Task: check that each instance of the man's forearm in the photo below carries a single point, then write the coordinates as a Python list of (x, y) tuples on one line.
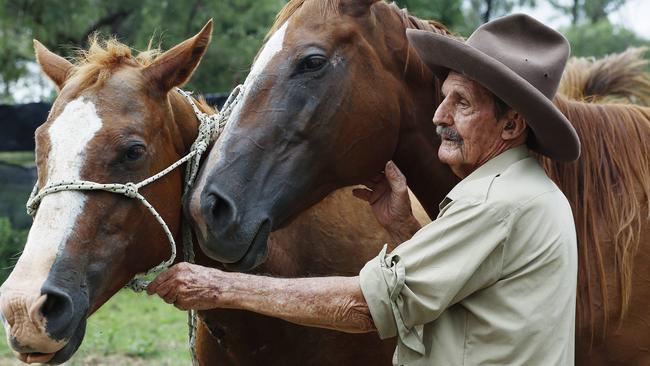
[(326, 302)]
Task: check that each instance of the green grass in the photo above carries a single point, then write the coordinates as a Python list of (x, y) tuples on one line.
[(129, 330), (24, 158)]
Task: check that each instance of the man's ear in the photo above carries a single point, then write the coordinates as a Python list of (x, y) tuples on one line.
[(514, 125), (54, 66), (175, 67), (356, 8)]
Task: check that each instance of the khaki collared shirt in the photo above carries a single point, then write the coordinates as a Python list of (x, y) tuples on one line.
[(492, 281)]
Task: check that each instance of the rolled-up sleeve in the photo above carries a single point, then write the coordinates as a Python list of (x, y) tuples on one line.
[(446, 261)]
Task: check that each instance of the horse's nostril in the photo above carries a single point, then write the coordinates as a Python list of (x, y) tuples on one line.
[(57, 310), (221, 210), (53, 306)]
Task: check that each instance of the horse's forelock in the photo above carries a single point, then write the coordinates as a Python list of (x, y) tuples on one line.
[(103, 56)]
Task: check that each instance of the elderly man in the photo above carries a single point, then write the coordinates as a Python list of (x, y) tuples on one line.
[(492, 280)]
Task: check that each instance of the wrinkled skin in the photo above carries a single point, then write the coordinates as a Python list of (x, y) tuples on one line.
[(471, 131)]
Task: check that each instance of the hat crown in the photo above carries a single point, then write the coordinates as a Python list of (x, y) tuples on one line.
[(534, 51)]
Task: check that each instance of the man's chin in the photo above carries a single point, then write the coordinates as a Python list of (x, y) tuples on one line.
[(449, 152)]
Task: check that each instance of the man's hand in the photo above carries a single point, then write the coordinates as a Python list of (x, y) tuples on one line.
[(189, 286), (389, 197)]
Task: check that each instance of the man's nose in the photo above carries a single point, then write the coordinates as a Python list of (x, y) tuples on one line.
[(442, 116)]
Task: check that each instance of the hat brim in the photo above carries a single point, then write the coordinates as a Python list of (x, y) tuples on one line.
[(553, 135)]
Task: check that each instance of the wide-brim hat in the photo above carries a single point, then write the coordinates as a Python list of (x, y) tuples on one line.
[(521, 61)]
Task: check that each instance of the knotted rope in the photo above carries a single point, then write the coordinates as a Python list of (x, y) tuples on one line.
[(210, 127)]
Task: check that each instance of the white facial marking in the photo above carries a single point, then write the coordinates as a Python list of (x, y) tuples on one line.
[(57, 214), (272, 47)]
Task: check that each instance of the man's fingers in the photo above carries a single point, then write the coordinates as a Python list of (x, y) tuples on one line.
[(362, 193), (170, 297), (165, 289), (396, 179), (160, 279)]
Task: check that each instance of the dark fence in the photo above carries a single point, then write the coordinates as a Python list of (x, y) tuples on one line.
[(17, 125), (16, 183)]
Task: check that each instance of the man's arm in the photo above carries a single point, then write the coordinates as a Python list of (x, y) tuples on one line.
[(326, 302)]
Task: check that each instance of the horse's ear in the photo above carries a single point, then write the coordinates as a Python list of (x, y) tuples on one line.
[(356, 7), (175, 67), (54, 66)]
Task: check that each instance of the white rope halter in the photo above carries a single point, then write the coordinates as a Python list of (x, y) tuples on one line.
[(210, 127)]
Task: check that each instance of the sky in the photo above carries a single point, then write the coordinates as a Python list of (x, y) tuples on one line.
[(635, 14)]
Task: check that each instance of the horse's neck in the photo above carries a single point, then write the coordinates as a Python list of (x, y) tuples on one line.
[(417, 149)]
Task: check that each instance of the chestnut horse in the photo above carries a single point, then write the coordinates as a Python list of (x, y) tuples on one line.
[(337, 90), (117, 120)]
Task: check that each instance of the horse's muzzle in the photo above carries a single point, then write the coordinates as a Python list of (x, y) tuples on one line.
[(234, 239)]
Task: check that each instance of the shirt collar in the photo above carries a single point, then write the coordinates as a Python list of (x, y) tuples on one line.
[(492, 167)]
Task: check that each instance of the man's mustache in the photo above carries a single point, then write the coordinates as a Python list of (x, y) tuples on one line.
[(448, 133)]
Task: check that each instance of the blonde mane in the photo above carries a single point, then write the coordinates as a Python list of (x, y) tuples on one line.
[(621, 77), (609, 191)]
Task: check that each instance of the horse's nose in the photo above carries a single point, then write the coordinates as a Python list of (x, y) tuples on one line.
[(26, 325), (57, 309), (224, 241)]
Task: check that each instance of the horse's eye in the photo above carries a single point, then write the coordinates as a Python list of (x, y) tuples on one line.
[(312, 63), (135, 152)]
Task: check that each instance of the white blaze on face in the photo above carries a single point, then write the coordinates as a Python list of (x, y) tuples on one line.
[(272, 47), (69, 135)]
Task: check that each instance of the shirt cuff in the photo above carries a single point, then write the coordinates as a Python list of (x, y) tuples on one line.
[(382, 280)]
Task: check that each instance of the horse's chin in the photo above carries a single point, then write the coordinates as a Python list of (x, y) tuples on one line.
[(256, 253), (60, 356)]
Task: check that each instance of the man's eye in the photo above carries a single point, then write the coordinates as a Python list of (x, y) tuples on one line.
[(312, 63), (135, 152)]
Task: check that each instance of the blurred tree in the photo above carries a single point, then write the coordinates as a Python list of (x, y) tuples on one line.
[(489, 9), (482, 11), (63, 25), (601, 38), (448, 12), (592, 11)]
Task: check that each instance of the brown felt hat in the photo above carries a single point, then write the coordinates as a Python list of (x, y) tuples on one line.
[(521, 61)]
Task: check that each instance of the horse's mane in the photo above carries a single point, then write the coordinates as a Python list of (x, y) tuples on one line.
[(331, 7), (619, 77), (609, 191), (104, 56)]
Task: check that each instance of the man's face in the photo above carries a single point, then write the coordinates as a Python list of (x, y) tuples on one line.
[(466, 122)]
